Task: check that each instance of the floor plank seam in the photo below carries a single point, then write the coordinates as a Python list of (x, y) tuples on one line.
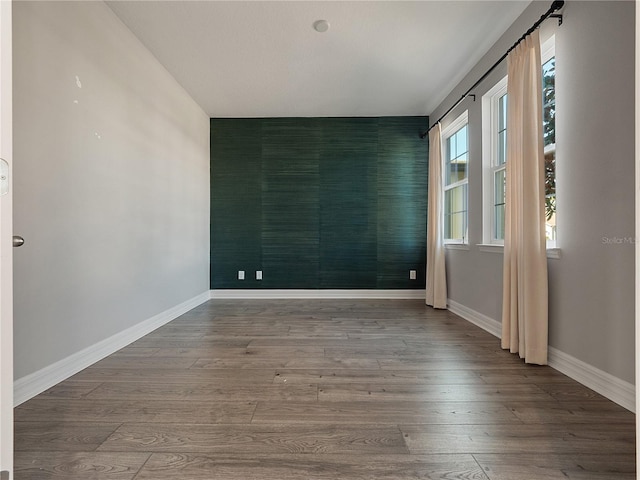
[(99, 446), (142, 467), (254, 412), (403, 437), (480, 467), (190, 367), (92, 390)]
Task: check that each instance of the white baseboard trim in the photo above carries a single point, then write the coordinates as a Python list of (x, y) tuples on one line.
[(317, 294), (615, 389), (619, 391), (486, 323), (37, 382)]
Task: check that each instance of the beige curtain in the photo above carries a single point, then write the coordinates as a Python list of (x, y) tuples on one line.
[(436, 274), (525, 290)]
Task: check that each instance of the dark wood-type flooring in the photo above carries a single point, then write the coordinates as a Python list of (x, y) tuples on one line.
[(322, 389)]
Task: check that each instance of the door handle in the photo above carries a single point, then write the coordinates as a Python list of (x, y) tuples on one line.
[(18, 241)]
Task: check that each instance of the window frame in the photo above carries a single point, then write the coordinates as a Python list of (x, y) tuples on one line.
[(490, 152), (456, 125)]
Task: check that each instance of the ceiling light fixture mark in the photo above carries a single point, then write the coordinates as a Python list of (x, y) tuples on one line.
[(321, 26)]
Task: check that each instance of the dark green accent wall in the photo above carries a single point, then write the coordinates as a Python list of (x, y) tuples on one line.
[(318, 202)]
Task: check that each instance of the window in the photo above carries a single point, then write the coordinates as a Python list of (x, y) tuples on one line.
[(494, 121), (456, 179)]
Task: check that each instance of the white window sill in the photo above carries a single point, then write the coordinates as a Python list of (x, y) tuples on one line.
[(491, 248), (553, 253), (456, 246), (499, 249)]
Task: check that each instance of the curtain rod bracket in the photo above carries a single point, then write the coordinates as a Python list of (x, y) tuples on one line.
[(559, 17), (472, 95)]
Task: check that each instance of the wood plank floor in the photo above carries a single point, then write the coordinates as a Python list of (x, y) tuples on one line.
[(322, 389)]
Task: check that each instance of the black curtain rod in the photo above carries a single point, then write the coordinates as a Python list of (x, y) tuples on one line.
[(555, 6)]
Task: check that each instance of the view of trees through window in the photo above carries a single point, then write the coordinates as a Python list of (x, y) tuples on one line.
[(549, 135)]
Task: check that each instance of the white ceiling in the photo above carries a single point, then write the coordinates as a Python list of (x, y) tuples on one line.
[(263, 58)]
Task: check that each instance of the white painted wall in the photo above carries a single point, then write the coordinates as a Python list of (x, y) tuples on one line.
[(591, 309), (111, 183)]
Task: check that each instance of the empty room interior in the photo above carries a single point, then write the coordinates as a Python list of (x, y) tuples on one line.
[(279, 240)]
